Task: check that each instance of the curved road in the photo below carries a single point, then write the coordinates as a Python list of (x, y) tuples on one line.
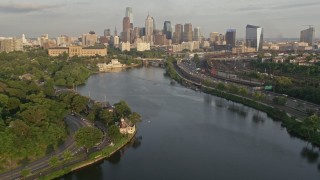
[(74, 123)]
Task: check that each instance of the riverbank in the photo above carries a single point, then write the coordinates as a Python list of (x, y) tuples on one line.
[(294, 127), (92, 158)]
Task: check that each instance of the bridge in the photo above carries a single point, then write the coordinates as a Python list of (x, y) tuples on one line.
[(153, 61)]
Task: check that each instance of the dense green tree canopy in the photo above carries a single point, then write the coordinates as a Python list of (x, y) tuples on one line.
[(88, 137)]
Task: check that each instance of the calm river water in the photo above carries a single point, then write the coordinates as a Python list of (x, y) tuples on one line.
[(191, 135)]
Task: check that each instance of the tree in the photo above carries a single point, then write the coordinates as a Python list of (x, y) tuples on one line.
[(221, 86), (79, 103), (25, 172), (54, 161), (67, 156), (122, 109), (88, 137), (106, 116), (135, 118), (114, 132), (280, 100)]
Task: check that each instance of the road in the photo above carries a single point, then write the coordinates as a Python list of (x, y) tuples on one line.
[(294, 107), (74, 123)]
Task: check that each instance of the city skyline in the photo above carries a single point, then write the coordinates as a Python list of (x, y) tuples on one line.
[(282, 19)]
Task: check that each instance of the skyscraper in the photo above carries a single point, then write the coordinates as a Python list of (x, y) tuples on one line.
[(187, 33), (196, 34), (129, 14), (167, 29), (231, 37), (254, 37), (307, 36), (107, 32), (126, 29), (178, 34), (149, 24)]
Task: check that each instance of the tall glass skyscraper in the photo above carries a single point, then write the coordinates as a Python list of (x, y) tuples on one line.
[(129, 14), (254, 37), (196, 34), (307, 36), (231, 37), (167, 29)]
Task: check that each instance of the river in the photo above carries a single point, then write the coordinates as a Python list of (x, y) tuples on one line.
[(191, 135)]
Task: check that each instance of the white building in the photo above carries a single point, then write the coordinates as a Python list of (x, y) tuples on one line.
[(143, 46), (125, 46), (103, 67)]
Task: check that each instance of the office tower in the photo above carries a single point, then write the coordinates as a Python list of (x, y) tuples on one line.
[(89, 39), (178, 34), (126, 24), (197, 34), (142, 31), (115, 31), (24, 40), (307, 35), (107, 32), (167, 29), (126, 29), (213, 37), (129, 14), (149, 24), (254, 37), (187, 33), (231, 37)]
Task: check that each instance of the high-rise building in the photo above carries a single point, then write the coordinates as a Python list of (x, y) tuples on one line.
[(24, 40), (89, 39), (126, 24), (196, 34), (167, 29), (129, 14), (308, 35), (231, 37), (126, 29), (178, 34), (187, 33), (213, 37), (107, 32), (149, 24), (10, 44), (115, 31), (254, 37)]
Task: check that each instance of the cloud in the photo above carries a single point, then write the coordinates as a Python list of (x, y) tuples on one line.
[(297, 5), (25, 8), (276, 7)]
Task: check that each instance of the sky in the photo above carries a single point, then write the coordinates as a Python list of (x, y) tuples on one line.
[(279, 18)]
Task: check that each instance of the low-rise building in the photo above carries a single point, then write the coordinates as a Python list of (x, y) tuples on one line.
[(143, 46), (77, 51), (126, 127), (103, 67)]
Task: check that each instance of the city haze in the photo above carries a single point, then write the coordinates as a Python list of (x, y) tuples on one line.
[(280, 19)]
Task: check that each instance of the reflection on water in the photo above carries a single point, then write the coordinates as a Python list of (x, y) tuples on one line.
[(220, 102), (238, 109), (135, 143), (257, 118), (207, 99), (310, 153), (184, 139)]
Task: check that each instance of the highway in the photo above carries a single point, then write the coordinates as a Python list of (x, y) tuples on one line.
[(294, 107)]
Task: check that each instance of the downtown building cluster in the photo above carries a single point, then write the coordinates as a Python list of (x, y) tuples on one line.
[(172, 38)]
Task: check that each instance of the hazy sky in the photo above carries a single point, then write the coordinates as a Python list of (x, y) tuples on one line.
[(279, 18)]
